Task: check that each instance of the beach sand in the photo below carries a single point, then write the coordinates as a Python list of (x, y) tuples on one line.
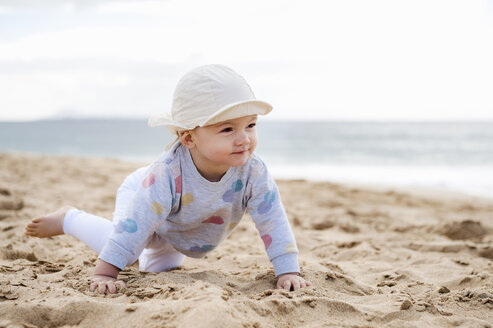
[(377, 257)]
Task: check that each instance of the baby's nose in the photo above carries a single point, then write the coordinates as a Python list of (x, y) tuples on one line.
[(242, 139)]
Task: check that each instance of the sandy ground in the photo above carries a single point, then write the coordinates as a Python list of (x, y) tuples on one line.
[(376, 258)]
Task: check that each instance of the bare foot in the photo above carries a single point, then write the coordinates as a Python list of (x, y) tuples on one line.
[(47, 225)]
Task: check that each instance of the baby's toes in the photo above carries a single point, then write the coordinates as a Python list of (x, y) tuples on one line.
[(30, 231), (34, 224)]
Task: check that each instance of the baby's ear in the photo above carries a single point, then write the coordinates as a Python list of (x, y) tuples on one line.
[(186, 138)]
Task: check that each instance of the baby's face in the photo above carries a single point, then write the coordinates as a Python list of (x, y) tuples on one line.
[(228, 143)]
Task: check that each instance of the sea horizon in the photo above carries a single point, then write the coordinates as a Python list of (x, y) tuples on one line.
[(449, 155)]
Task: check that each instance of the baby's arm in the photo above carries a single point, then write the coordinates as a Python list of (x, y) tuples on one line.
[(148, 209), (267, 211), (104, 276)]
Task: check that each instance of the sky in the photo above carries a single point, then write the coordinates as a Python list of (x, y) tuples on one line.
[(312, 60)]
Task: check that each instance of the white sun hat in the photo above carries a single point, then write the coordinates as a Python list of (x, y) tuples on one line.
[(207, 95)]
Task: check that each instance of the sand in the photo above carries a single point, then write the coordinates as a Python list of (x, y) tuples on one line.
[(377, 257)]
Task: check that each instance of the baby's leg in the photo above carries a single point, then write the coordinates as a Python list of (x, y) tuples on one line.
[(90, 229), (160, 256)]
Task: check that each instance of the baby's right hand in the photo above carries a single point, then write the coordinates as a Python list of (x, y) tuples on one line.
[(102, 282)]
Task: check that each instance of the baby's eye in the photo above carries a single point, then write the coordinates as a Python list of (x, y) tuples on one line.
[(252, 125), (226, 130)]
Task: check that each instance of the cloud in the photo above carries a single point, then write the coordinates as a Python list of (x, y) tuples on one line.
[(316, 59), (105, 86), (94, 87)]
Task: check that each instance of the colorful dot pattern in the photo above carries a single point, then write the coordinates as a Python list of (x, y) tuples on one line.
[(290, 248), (178, 184), (157, 208), (265, 224), (267, 239), (214, 220), (186, 199), (202, 248), (149, 180), (127, 225), (266, 205), (235, 187)]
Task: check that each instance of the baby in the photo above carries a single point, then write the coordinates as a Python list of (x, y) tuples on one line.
[(194, 195)]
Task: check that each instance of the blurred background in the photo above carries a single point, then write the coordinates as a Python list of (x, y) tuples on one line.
[(395, 93)]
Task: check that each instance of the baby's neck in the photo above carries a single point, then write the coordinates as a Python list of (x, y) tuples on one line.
[(212, 173), (211, 177)]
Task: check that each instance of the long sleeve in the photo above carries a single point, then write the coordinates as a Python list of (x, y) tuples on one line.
[(267, 211), (148, 210)]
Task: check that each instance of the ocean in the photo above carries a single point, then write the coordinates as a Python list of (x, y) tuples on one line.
[(454, 156)]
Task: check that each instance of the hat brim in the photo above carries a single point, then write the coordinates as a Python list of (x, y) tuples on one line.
[(239, 109), (229, 112)]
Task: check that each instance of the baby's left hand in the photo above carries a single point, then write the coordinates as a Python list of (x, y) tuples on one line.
[(291, 280)]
